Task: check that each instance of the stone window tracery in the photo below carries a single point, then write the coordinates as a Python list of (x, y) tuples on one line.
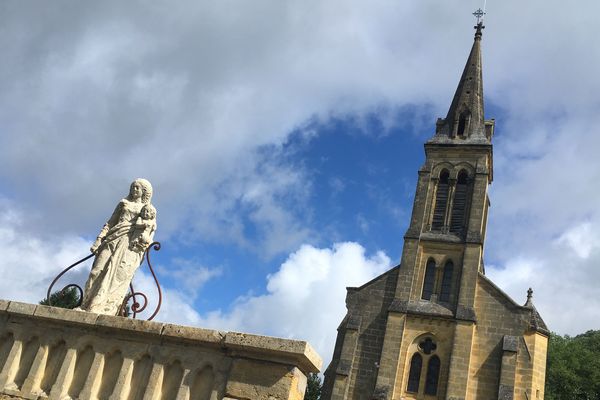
[(451, 203), (424, 371)]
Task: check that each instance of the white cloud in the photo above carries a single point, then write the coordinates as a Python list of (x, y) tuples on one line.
[(564, 275), (186, 93), (580, 239), (305, 298), (29, 263)]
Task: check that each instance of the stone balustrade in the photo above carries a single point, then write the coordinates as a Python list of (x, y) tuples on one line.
[(59, 354)]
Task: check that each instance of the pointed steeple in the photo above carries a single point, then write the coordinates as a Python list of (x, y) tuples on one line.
[(465, 118)]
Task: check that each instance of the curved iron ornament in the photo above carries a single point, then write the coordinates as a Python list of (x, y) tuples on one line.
[(136, 306), (71, 285)]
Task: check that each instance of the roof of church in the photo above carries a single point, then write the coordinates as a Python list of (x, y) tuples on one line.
[(536, 322), (467, 103)]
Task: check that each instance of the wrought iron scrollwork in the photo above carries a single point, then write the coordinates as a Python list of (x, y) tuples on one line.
[(136, 307), (71, 285)]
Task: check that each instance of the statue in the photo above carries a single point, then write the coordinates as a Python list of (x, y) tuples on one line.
[(119, 249)]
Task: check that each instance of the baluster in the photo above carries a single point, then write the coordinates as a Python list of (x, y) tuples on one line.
[(11, 366), (153, 390), (94, 378), (65, 376), (186, 382), (123, 384), (36, 373)]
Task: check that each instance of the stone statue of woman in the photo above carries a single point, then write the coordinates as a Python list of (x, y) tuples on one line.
[(119, 249)]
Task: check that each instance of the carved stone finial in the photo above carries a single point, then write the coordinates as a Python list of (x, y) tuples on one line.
[(529, 297)]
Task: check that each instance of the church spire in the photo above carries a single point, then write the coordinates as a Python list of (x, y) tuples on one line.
[(465, 118)]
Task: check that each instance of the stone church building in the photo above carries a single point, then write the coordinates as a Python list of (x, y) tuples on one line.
[(435, 327)]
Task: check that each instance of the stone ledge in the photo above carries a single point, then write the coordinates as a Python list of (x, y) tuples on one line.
[(62, 314), (129, 324), (14, 307), (302, 352), (190, 334), (259, 347)]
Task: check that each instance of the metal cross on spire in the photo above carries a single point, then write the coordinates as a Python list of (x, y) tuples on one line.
[(479, 15), (479, 27)]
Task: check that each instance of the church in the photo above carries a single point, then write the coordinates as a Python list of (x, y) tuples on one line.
[(435, 327)]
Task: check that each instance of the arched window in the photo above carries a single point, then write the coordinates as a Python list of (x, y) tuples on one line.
[(433, 374), (459, 206), (414, 375), (429, 281), (447, 282), (462, 124), (441, 200)]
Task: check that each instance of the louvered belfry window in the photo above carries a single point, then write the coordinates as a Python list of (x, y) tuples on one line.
[(429, 281), (447, 282), (414, 375), (459, 205), (462, 124), (441, 200)]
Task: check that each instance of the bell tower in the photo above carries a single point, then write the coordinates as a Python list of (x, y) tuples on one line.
[(435, 327), (443, 247)]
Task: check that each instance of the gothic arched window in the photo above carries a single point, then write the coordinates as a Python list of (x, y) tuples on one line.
[(433, 374), (429, 281), (441, 200), (459, 205), (447, 282), (414, 375)]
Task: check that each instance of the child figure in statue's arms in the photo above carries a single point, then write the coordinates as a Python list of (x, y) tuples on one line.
[(144, 228)]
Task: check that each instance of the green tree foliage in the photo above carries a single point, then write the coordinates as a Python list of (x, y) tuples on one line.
[(573, 369), (313, 387), (63, 299)]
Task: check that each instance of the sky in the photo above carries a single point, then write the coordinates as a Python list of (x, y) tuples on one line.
[(283, 140)]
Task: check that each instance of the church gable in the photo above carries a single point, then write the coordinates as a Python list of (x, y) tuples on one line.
[(360, 336)]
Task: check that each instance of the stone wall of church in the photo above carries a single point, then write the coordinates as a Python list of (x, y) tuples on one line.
[(360, 340), (416, 328), (504, 350), (48, 352)]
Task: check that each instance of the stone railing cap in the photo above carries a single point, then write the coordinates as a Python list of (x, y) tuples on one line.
[(267, 348), (300, 351)]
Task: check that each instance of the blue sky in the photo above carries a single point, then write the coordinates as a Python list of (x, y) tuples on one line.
[(283, 141)]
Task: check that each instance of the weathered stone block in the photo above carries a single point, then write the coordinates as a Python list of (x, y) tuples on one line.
[(196, 335), (129, 324), (510, 343), (62, 314), (17, 308)]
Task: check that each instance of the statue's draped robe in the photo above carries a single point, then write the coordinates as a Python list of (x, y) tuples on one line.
[(115, 262)]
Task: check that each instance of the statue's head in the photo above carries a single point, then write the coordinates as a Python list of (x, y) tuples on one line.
[(148, 212), (146, 189)]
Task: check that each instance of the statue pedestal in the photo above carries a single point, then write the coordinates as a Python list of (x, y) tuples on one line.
[(48, 352)]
